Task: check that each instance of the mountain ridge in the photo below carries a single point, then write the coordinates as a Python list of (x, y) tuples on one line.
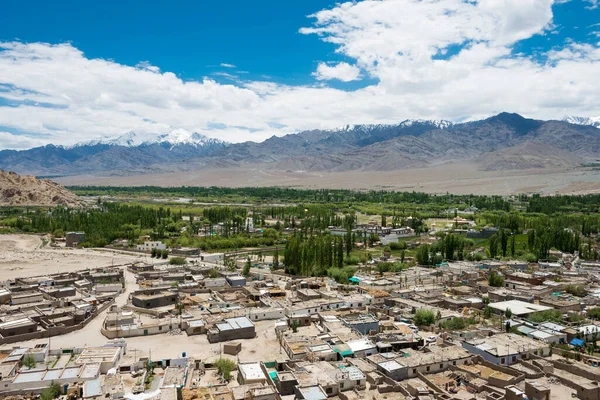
[(376, 147)]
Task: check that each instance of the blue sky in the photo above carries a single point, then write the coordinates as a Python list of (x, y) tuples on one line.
[(239, 70), (260, 38)]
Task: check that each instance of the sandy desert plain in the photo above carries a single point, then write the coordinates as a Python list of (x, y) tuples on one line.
[(452, 178)]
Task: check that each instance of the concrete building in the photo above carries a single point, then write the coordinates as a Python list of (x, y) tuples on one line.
[(148, 246), (517, 307), (362, 347), (74, 239), (154, 298), (106, 357), (231, 329), (362, 323), (236, 280), (507, 348), (17, 327), (249, 373)]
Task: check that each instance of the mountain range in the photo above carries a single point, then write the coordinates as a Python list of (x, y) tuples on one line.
[(503, 142)]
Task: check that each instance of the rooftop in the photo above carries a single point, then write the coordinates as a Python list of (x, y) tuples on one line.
[(518, 307)]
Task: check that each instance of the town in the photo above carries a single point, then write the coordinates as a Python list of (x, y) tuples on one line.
[(410, 312)]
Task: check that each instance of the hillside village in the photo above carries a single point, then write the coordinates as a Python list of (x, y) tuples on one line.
[(455, 298), (461, 330)]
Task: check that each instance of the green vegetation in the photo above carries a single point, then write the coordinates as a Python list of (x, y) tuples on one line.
[(576, 290), (247, 266), (457, 323), (546, 316), (177, 261), (224, 367), (529, 227), (51, 392), (341, 275), (383, 267), (594, 313), (29, 361), (495, 279), (424, 317)]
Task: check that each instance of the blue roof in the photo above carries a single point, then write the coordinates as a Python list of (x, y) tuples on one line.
[(577, 342)]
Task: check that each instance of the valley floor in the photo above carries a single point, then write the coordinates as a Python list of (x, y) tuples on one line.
[(453, 178)]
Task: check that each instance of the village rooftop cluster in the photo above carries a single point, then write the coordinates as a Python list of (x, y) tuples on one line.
[(283, 337)]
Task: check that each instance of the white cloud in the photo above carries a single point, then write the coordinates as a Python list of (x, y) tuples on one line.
[(19, 142), (226, 65), (399, 43), (593, 4), (342, 71)]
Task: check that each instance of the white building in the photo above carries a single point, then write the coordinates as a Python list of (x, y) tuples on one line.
[(148, 246)]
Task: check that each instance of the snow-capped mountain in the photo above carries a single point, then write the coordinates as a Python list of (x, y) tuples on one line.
[(128, 139), (591, 121), (438, 124), (176, 137), (180, 137), (503, 141)]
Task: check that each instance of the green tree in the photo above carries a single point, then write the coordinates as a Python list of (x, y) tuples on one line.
[(276, 259), (495, 279), (423, 255), (512, 245), (177, 261), (29, 361), (424, 317), (493, 246), (508, 313), (576, 290), (594, 313), (247, 267), (487, 312), (224, 367), (51, 392)]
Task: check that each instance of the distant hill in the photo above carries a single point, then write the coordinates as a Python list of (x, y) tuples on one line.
[(504, 141), (17, 190)]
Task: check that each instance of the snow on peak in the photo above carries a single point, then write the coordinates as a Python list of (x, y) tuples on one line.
[(439, 124), (128, 139), (182, 137), (174, 138), (592, 121)]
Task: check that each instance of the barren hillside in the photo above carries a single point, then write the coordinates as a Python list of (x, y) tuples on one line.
[(17, 190)]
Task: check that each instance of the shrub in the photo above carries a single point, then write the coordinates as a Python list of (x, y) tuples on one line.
[(424, 317), (177, 261), (576, 290), (51, 392), (352, 260), (224, 367), (544, 316), (341, 275), (398, 246), (594, 313), (495, 280)]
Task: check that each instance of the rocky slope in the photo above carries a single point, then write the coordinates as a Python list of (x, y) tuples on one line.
[(17, 190)]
